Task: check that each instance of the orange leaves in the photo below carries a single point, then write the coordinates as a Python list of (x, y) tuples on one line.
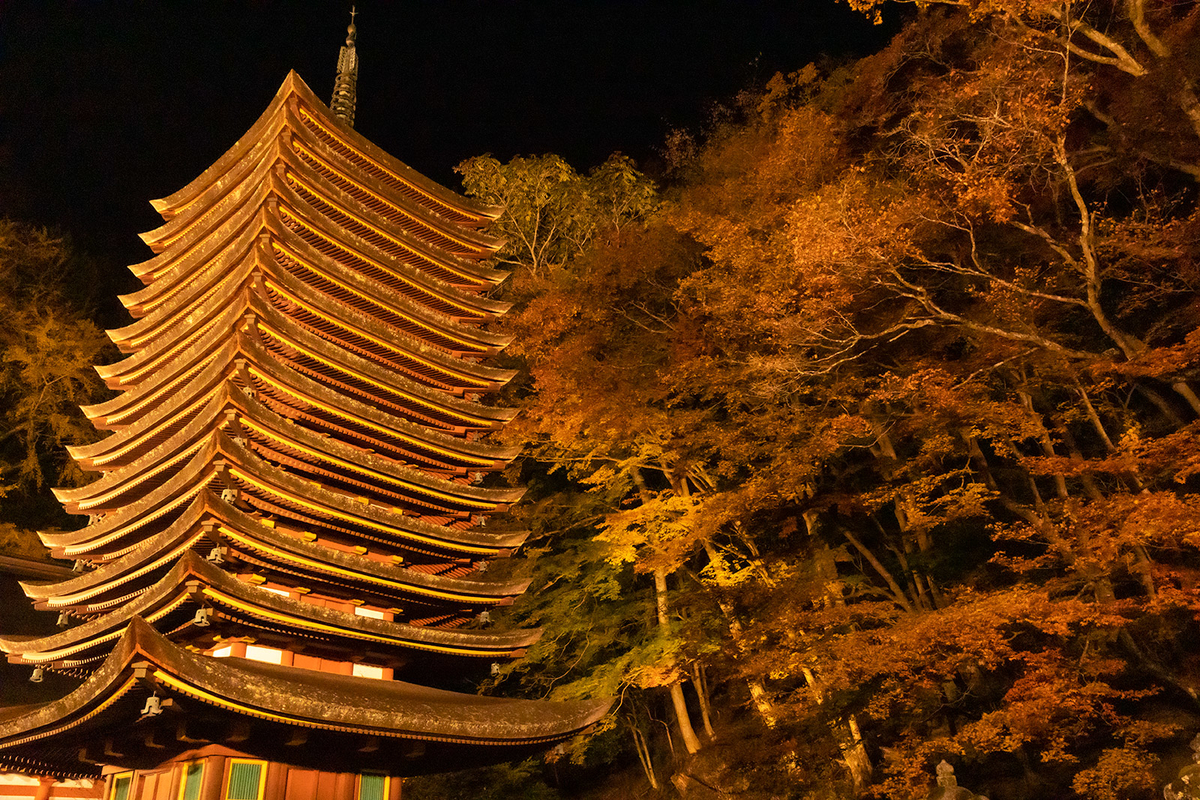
[(1160, 362), (896, 376), (551, 213), (1160, 519), (979, 193), (961, 655), (782, 88), (658, 533), (1118, 773), (47, 348)]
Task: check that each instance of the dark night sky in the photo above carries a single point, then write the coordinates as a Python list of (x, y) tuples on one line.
[(106, 105)]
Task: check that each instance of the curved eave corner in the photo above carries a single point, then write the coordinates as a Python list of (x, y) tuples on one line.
[(399, 720), (293, 84)]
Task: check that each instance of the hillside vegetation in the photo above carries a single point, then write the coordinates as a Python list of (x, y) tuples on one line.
[(864, 435), (867, 436)]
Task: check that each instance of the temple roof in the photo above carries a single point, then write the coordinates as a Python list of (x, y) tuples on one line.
[(173, 266), (295, 396), (283, 714), (209, 522), (339, 295), (416, 535), (296, 438), (294, 449), (289, 140), (240, 608), (194, 465), (344, 139), (238, 268), (285, 165)]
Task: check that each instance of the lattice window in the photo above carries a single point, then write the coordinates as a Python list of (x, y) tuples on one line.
[(246, 779), (189, 784), (372, 787), (119, 786)]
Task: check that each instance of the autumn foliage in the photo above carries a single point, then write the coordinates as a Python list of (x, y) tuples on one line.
[(48, 348), (866, 435), (875, 425)]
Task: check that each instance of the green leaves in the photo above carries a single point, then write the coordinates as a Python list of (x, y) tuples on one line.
[(552, 213)]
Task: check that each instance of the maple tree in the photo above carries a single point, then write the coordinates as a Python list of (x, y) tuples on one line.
[(581, 246), (866, 437), (1140, 51), (890, 394)]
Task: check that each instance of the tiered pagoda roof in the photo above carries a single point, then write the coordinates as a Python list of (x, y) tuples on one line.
[(294, 716), (294, 466)]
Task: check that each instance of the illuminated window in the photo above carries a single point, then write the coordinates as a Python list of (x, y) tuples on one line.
[(270, 655), (189, 785), (367, 671), (119, 788), (372, 787), (369, 612), (246, 779)]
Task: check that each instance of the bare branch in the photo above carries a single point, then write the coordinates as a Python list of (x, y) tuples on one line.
[(1136, 9)]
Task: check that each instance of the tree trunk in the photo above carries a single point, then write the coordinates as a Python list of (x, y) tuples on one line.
[(889, 464), (1163, 406), (897, 593), (1084, 562), (1185, 391), (701, 686), (686, 732), (1043, 438), (826, 564), (848, 737), (758, 692), (643, 753)]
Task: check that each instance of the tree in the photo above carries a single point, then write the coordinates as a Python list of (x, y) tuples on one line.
[(920, 368), (552, 213), (1138, 48), (893, 391), (47, 351)]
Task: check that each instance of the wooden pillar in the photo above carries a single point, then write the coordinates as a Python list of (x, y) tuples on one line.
[(167, 787), (45, 785), (327, 787), (302, 784), (276, 784), (344, 786), (214, 776)]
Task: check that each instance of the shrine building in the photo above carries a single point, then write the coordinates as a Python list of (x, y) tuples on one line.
[(285, 555)]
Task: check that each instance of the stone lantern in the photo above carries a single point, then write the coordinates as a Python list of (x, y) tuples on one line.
[(947, 786), (1187, 786)]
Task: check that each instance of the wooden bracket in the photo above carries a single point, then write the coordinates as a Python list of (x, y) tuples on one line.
[(182, 736), (238, 732)]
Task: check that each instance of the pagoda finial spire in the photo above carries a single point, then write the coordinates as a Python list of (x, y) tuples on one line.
[(344, 88)]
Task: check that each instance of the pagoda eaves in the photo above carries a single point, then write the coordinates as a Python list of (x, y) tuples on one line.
[(292, 474)]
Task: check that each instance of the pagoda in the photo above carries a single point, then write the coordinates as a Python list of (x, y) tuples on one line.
[(286, 550)]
